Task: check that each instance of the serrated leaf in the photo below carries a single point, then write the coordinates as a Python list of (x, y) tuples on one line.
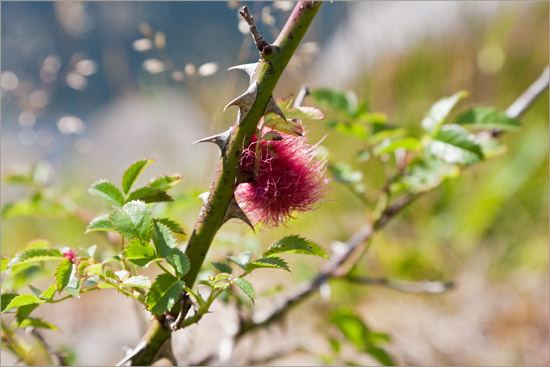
[(49, 292), (179, 262), (222, 267), (423, 174), (164, 182), (388, 146), (91, 281), (174, 226), (488, 118), (100, 223), (164, 293), (6, 298), (37, 323), (94, 269), (454, 144), (134, 220), (35, 290), (439, 111), (163, 240), (122, 274), (285, 103), (139, 252), (24, 311), (246, 287), (352, 327), (380, 355), (267, 262), (304, 113), (73, 288), (295, 244), (63, 274), (132, 173), (35, 255), (290, 127), (22, 300), (342, 102), (108, 192), (137, 281), (149, 195), (110, 274), (242, 259)]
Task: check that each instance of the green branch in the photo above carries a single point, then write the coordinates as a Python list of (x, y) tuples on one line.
[(274, 59)]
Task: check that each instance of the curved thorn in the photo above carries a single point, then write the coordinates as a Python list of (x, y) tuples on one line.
[(204, 196), (272, 107), (244, 101), (235, 211), (220, 139), (250, 69)]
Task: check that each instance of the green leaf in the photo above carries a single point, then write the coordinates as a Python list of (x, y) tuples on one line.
[(304, 113), (164, 182), (101, 223), (149, 195), (163, 239), (133, 172), (222, 267), (49, 293), (351, 326), (423, 174), (339, 101), (90, 251), (487, 119), (24, 311), (290, 127), (91, 281), (242, 259), (344, 173), (388, 146), (139, 281), (174, 227), (63, 274), (295, 244), (246, 287), (134, 220), (380, 355), (139, 252), (37, 323), (267, 262), (6, 298), (164, 293), (73, 287), (35, 255), (439, 112), (179, 262), (108, 192), (95, 269), (21, 300), (454, 144)]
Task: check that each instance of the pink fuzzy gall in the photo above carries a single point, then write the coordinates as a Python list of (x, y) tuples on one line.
[(289, 179), (70, 255)]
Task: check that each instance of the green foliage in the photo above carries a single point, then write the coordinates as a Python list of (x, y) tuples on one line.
[(100, 223), (139, 252), (292, 124), (354, 329), (242, 259), (486, 118), (63, 274), (164, 293), (439, 112), (133, 221), (108, 192), (132, 173), (37, 323), (139, 281), (454, 144), (163, 239), (295, 244), (35, 255), (174, 227), (246, 287), (267, 262), (222, 267), (179, 262), (19, 301)]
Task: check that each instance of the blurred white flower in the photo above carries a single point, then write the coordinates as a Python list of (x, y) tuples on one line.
[(86, 67), (154, 66), (70, 125), (76, 81), (208, 69), (142, 44), (9, 80)]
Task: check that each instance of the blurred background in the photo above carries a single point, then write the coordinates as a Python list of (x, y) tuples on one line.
[(90, 87)]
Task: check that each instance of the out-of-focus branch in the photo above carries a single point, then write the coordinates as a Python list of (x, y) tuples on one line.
[(404, 286), (51, 350), (523, 102)]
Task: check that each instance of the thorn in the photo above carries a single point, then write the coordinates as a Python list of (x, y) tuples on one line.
[(244, 101), (220, 140), (204, 196), (273, 108), (250, 69), (235, 211)]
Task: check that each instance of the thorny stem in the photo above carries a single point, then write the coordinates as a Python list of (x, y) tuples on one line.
[(51, 350), (222, 190)]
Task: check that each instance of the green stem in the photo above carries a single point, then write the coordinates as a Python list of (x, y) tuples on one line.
[(223, 187)]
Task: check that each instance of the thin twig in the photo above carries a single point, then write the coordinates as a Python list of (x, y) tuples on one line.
[(403, 286), (261, 44), (302, 94), (51, 350), (523, 102)]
